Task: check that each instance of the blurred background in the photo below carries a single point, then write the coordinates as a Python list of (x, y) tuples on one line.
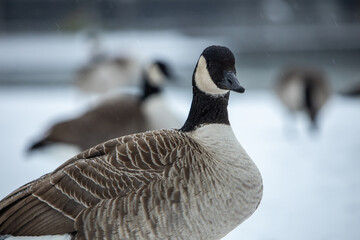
[(311, 174), (46, 41)]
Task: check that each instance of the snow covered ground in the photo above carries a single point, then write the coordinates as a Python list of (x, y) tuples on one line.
[(311, 181)]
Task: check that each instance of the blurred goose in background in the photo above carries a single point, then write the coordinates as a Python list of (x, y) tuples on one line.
[(303, 90), (196, 182), (107, 74), (353, 91), (118, 116), (103, 72)]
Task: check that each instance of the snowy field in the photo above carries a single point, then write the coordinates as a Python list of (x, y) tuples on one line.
[(311, 180)]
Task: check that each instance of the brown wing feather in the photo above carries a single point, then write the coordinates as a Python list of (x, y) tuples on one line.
[(50, 204)]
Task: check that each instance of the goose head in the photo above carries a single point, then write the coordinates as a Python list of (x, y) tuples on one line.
[(154, 77), (213, 78), (215, 72), (157, 73)]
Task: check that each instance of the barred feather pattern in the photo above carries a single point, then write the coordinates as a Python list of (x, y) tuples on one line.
[(158, 184)]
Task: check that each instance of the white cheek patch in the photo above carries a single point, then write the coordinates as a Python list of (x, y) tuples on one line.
[(293, 95), (156, 76), (203, 80)]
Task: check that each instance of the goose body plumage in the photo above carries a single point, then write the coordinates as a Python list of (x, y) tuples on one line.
[(196, 182)]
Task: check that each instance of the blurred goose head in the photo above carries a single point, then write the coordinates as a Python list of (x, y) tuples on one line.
[(155, 75), (304, 90)]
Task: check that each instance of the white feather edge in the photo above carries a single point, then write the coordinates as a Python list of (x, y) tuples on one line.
[(46, 237)]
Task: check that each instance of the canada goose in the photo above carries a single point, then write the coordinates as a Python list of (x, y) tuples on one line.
[(102, 75), (303, 89), (196, 182), (104, 72), (117, 116)]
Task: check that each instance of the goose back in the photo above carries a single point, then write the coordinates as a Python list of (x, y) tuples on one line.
[(111, 118)]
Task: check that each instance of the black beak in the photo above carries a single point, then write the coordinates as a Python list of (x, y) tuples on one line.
[(230, 82)]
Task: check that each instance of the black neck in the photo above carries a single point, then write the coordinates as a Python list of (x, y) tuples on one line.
[(206, 109), (309, 101), (148, 89)]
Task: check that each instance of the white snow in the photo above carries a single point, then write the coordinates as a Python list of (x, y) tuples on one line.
[(311, 181)]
